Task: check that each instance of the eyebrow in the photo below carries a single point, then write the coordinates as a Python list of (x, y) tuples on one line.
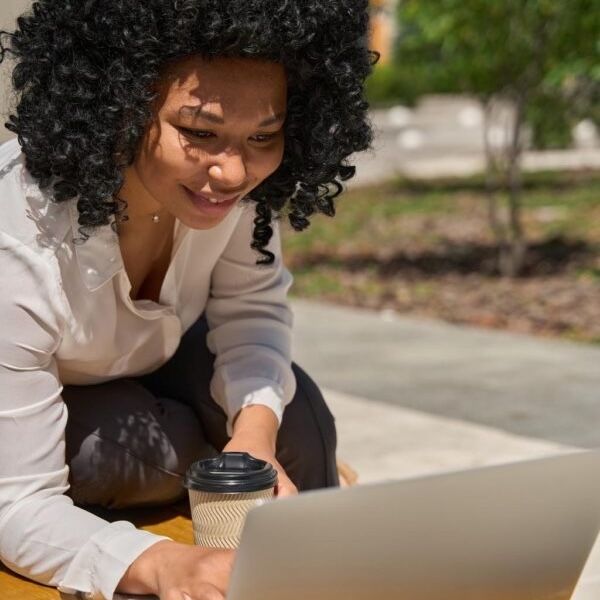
[(198, 111)]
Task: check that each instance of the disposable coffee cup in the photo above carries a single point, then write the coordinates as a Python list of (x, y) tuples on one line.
[(222, 490)]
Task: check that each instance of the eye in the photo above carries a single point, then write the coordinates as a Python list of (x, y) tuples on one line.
[(263, 138), (196, 134)]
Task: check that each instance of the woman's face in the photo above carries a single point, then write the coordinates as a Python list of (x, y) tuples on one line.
[(217, 133)]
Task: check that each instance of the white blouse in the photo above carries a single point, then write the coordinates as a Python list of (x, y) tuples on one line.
[(66, 317)]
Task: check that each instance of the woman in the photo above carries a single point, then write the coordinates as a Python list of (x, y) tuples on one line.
[(144, 296)]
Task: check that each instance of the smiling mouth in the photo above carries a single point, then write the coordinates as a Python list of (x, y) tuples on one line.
[(218, 202), (213, 199)]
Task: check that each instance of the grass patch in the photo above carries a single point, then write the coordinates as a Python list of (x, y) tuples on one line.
[(427, 248), (370, 217), (312, 282)]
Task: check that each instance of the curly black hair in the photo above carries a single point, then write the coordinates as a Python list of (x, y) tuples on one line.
[(86, 73)]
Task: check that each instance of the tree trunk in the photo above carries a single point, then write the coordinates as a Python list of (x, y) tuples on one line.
[(492, 182), (515, 258), (495, 180), (503, 174)]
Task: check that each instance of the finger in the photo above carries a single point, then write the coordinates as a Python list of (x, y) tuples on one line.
[(286, 488), (205, 591), (284, 492)]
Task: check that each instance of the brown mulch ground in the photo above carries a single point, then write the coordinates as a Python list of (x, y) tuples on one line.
[(444, 266)]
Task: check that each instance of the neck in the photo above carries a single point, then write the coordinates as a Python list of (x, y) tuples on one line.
[(156, 224), (141, 208)]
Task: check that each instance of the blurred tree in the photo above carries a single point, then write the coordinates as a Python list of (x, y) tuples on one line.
[(534, 61)]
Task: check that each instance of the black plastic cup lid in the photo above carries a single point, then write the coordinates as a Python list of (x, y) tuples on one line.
[(230, 473)]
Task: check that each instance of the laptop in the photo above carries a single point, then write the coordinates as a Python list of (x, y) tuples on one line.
[(520, 531)]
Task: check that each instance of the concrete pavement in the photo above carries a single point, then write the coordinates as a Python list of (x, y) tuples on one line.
[(417, 395)]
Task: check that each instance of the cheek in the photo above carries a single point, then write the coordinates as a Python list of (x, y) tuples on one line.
[(167, 159), (274, 160), (151, 172)]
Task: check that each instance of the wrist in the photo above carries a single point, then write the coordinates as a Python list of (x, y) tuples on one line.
[(142, 575), (256, 417), (256, 422)]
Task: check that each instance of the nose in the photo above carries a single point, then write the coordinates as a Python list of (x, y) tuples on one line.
[(229, 169)]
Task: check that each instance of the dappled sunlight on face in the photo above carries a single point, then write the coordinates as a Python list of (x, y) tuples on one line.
[(217, 133)]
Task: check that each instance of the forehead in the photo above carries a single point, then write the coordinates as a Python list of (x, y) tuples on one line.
[(233, 85)]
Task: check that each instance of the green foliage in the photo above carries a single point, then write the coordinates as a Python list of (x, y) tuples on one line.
[(542, 56), (548, 116), (388, 85), (547, 51)]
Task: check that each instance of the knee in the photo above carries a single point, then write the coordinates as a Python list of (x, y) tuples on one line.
[(102, 474), (136, 458), (307, 437), (316, 413)]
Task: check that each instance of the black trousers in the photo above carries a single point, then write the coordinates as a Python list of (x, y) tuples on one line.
[(130, 441)]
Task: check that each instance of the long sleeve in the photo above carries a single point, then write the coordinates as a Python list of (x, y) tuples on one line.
[(66, 318), (250, 325), (43, 536)]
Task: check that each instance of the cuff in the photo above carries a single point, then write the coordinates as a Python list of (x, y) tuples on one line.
[(99, 566), (248, 392)]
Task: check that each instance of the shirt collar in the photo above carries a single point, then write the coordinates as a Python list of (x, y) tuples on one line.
[(99, 257)]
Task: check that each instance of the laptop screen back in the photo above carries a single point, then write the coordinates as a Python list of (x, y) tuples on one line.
[(511, 532)]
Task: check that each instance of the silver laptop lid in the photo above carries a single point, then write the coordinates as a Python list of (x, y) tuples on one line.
[(510, 532)]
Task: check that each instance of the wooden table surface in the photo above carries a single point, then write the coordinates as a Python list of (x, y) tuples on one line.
[(172, 521)]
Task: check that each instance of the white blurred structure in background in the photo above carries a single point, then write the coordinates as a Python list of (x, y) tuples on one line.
[(9, 11)]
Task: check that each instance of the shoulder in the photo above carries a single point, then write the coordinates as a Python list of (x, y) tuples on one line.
[(10, 152), (28, 215)]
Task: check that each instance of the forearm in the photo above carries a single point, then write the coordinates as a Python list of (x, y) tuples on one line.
[(250, 325)]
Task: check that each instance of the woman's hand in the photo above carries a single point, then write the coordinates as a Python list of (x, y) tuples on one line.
[(255, 431), (175, 571), (254, 447)]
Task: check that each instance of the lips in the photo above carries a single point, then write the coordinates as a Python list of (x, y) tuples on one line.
[(212, 199), (213, 203)]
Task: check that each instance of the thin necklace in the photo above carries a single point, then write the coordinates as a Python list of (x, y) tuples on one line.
[(155, 217)]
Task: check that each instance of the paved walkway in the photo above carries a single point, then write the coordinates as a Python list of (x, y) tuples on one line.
[(418, 395)]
